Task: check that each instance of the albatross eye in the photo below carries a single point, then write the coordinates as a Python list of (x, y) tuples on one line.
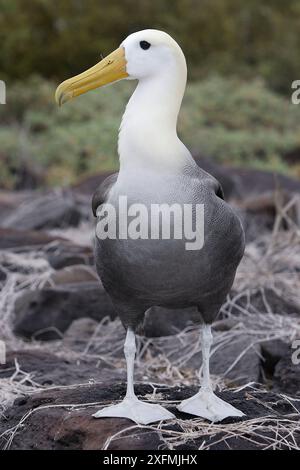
[(145, 45)]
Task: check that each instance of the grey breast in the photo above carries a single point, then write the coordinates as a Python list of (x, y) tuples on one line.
[(144, 273)]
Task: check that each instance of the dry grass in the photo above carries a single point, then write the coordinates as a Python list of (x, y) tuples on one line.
[(273, 262), (24, 271), (82, 235), (269, 431), (270, 264), (265, 433)]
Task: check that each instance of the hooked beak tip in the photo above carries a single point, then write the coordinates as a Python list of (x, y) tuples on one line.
[(62, 96)]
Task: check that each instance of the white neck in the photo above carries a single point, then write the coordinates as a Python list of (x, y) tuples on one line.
[(148, 135)]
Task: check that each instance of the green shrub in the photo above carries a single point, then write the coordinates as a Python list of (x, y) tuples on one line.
[(233, 121), (240, 123), (57, 39)]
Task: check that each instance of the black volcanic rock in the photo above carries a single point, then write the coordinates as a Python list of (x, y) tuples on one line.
[(49, 369), (52, 210), (48, 312), (11, 238), (287, 375), (252, 181), (272, 352), (62, 254), (70, 425), (260, 301)]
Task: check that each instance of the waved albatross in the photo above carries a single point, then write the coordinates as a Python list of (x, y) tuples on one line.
[(157, 169)]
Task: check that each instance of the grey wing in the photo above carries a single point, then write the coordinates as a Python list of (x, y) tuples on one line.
[(101, 192), (218, 189), (211, 182)]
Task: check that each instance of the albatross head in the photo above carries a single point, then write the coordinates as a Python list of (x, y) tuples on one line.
[(151, 53), (142, 55), (148, 133)]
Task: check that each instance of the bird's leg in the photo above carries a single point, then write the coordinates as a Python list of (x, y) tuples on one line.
[(130, 351), (205, 403), (131, 407), (207, 340)]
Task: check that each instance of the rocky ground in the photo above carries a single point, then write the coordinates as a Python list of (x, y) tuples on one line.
[(65, 344)]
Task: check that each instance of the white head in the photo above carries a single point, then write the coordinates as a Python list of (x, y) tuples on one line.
[(154, 59), (151, 53)]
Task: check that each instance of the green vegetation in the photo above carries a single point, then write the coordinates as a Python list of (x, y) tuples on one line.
[(234, 121), (244, 118), (57, 39)]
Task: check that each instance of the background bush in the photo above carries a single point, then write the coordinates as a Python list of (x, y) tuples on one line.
[(240, 37), (237, 122), (242, 58)]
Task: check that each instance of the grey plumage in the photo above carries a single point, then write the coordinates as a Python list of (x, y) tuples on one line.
[(158, 172), (139, 274)]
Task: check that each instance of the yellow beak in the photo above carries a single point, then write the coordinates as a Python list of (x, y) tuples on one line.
[(109, 70)]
